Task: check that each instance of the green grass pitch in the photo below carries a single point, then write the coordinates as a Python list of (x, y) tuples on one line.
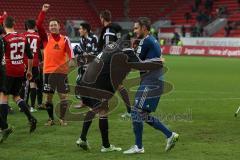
[(200, 108)]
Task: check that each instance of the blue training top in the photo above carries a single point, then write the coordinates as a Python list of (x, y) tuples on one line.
[(148, 49)]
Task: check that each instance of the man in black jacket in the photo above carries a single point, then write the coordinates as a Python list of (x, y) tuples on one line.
[(111, 32)]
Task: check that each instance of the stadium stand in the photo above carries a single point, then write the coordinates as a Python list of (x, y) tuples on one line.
[(233, 17), (175, 10), (116, 7), (73, 9)]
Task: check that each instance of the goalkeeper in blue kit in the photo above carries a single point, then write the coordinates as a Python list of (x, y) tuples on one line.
[(151, 87)]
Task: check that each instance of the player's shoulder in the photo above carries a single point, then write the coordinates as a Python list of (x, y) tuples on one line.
[(13, 36), (116, 27), (9, 34), (67, 41), (66, 38), (93, 37), (35, 34), (149, 40)]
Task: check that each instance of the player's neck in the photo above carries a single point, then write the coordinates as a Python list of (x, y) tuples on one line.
[(55, 34), (145, 34), (9, 30), (85, 36), (106, 23)]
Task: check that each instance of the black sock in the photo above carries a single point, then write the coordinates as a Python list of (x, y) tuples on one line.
[(86, 124), (103, 125), (3, 115), (2, 123), (39, 96), (49, 107), (33, 94), (63, 108), (22, 90), (22, 104), (124, 94)]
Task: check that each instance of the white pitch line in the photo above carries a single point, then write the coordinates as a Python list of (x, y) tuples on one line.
[(200, 99), (203, 92)]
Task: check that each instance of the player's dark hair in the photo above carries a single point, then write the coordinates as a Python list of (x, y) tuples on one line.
[(55, 19), (9, 22), (86, 26), (30, 24), (144, 21), (106, 15)]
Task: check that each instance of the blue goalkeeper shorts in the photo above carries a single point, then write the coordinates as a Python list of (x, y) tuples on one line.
[(148, 95)]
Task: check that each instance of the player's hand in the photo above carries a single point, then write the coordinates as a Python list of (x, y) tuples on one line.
[(29, 75), (45, 7), (4, 13)]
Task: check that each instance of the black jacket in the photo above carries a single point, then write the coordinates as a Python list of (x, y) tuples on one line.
[(110, 33)]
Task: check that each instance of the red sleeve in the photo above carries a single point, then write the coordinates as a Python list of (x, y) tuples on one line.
[(68, 47), (41, 30), (2, 18)]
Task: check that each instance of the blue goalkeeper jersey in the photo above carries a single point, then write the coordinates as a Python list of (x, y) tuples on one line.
[(149, 50)]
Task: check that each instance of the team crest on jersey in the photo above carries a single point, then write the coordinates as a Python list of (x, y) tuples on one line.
[(56, 46), (111, 46)]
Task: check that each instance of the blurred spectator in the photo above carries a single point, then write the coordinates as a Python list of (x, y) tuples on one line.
[(228, 28), (193, 8), (154, 32), (199, 30), (202, 18), (197, 4), (69, 29), (222, 11), (180, 43), (194, 32), (199, 17), (162, 42), (175, 39), (208, 5), (183, 31), (187, 16), (126, 9)]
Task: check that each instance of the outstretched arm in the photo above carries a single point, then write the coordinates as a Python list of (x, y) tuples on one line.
[(3, 17), (129, 61), (40, 20), (146, 66), (134, 62)]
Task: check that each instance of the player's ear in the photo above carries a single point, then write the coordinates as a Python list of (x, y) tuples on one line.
[(144, 28)]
